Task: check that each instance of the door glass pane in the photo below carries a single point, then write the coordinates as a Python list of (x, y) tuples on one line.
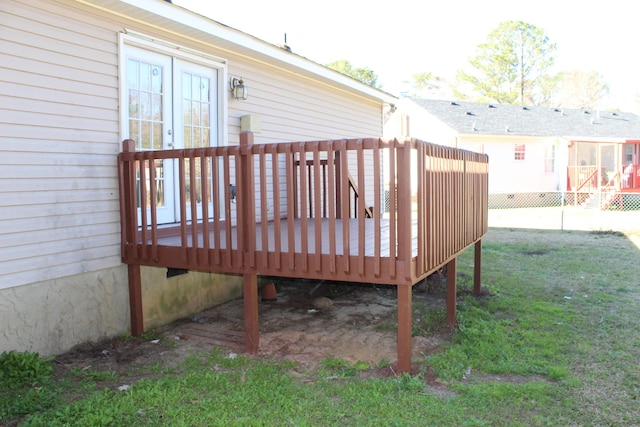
[(204, 115), (157, 136), (196, 112), (146, 115), (196, 107), (204, 91), (145, 106), (145, 76), (133, 71)]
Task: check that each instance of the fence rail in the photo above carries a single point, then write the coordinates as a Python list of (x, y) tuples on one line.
[(590, 211)]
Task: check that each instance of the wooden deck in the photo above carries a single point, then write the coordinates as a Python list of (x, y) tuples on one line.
[(309, 210)]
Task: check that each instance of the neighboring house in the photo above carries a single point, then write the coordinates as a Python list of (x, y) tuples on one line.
[(80, 76), (532, 149)]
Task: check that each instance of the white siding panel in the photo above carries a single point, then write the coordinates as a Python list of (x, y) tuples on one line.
[(21, 84), (62, 121), (21, 227), (56, 211), (21, 185), (66, 77), (53, 106), (278, 97), (60, 265), (35, 132), (58, 143), (63, 40)]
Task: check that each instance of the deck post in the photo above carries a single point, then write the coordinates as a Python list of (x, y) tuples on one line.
[(246, 220), (129, 228), (477, 268), (251, 324), (135, 300), (338, 174), (451, 292), (404, 328)]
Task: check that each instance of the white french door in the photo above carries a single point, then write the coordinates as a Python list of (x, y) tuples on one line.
[(171, 103), (196, 110)]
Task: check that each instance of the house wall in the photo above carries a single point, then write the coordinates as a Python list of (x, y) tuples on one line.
[(51, 316), (61, 281), (411, 120), (507, 175)]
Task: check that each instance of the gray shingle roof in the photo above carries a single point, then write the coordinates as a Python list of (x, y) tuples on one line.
[(503, 119)]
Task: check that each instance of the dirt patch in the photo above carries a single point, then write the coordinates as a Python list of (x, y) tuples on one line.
[(359, 325)]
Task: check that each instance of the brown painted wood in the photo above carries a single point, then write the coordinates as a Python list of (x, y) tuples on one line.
[(247, 237), (129, 230), (477, 268), (405, 312), (451, 292), (251, 322), (135, 300), (312, 221)]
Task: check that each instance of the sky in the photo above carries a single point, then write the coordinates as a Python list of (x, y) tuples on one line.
[(399, 38)]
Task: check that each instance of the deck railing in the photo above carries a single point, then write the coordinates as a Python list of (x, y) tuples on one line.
[(297, 221), (353, 198)]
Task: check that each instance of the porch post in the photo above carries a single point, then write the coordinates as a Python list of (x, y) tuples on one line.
[(404, 328), (477, 268), (246, 220), (251, 324), (128, 220), (451, 293), (135, 300)]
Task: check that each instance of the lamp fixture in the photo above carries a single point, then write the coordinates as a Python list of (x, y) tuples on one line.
[(238, 89)]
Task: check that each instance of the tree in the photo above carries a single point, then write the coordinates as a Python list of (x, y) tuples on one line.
[(512, 65), (581, 89), (425, 85), (365, 75)]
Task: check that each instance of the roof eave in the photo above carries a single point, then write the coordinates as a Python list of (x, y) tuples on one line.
[(250, 46)]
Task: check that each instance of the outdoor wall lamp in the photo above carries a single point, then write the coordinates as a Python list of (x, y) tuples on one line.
[(238, 89)]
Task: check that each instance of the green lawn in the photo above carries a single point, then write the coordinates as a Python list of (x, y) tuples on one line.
[(556, 342)]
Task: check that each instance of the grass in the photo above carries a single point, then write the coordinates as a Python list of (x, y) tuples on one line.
[(555, 343)]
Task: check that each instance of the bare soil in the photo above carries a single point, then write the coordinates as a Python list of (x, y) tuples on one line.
[(350, 322)]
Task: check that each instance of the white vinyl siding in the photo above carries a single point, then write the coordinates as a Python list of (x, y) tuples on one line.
[(60, 129), (58, 140)]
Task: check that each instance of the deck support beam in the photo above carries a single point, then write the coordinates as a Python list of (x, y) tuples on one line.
[(135, 300), (251, 324), (451, 292), (405, 323), (477, 268)]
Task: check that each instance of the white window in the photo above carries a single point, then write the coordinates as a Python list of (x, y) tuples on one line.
[(550, 158), (518, 153), (170, 100)]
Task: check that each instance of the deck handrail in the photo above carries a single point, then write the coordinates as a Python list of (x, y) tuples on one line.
[(581, 176), (260, 231)]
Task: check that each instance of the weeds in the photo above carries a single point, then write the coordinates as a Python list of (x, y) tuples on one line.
[(18, 369)]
